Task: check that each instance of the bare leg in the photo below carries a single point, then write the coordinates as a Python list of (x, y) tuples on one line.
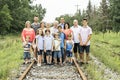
[(60, 60), (55, 60), (40, 59), (50, 59), (47, 57), (87, 57), (76, 55)]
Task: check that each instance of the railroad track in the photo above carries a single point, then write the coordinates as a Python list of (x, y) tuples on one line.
[(45, 72)]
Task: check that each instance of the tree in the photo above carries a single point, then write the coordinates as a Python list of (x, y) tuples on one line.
[(89, 10), (5, 19), (16, 13), (115, 14)]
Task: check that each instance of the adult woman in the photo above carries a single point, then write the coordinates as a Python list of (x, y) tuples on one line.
[(67, 30), (28, 31), (42, 26)]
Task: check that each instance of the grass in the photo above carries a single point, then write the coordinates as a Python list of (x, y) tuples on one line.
[(107, 49), (11, 53)]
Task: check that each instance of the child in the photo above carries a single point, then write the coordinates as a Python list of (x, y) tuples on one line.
[(57, 50), (40, 46), (27, 46), (62, 46), (48, 46), (34, 46), (69, 48)]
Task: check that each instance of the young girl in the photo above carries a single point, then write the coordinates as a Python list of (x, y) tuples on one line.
[(27, 46), (69, 48), (57, 50), (48, 45), (40, 46)]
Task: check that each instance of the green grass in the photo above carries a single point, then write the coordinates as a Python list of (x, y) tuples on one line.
[(107, 49), (11, 52)]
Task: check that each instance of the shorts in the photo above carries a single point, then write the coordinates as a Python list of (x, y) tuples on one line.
[(85, 48), (76, 47), (48, 53), (40, 52), (68, 53), (26, 55), (57, 54)]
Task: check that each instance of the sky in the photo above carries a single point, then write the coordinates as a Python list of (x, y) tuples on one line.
[(55, 8)]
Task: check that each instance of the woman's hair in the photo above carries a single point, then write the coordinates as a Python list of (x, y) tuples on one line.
[(67, 24), (27, 23), (41, 23)]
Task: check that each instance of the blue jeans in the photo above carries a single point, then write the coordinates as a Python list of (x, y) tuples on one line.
[(26, 55), (57, 54), (62, 53)]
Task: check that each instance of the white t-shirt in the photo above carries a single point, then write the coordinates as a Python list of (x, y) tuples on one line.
[(48, 41), (76, 32), (85, 32), (53, 30), (57, 44), (40, 40)]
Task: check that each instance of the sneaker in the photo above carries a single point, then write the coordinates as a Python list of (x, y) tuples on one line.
[(38, 64)]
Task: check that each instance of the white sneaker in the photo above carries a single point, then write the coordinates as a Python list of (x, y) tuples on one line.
[(38, 64)]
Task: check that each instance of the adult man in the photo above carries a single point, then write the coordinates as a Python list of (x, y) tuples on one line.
[(85, 35), (62, 22), (76, 31), (35, 25)]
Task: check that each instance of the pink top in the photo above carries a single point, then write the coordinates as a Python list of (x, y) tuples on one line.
[(30, 33), (67, 32)]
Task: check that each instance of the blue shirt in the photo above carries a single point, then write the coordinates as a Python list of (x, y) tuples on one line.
[(62, 37), (69, 45)]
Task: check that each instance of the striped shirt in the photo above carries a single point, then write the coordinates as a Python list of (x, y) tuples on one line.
[(27, 47)]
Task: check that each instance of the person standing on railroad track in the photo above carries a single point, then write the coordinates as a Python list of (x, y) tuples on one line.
[(40, 46), (76, 29), (35, 25), (48, 46), (85, 36), (28, 31), (62, 22)]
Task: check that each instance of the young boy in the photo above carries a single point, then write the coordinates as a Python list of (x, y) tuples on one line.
[(62, 46), (85, 35), (48, 46), (57, 50), (69, 48), (27, 46)]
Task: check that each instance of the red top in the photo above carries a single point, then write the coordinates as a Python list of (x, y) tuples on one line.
[(30, 33), (67, 32)]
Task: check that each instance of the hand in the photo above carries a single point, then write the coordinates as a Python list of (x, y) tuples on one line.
[(44, 50), (38, 49), (81, 43), (52, 49), (85, 44), (71, 50)]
